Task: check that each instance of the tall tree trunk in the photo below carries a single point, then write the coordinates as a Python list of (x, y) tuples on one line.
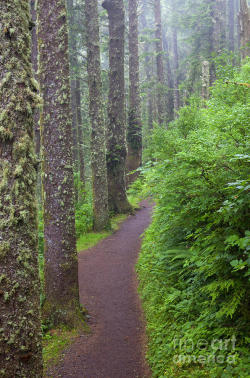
[(176, 68), (73, 67), (20, 328), (159, 63), (80, 128), (219, 22), (98, 142), (237, 6), (117, 151), (244, 22), (134, 157), (231, 22), (170, 96), (34, 57), (61, 272), (148, 70)]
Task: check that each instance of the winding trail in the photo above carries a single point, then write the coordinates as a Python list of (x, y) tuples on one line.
[(108, 289)]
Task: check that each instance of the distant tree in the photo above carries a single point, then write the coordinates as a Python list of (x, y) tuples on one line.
[(61, 271), (134, 119), (76, 94), (116, 134), (148, 66), (161, 103), (231, 24), (244, 23), (20, 328), (170, 81), (98, 142), (175, 62)]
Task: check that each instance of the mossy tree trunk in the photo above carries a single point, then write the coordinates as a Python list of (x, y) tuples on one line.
[(134, 133), (73, 65), (61, 273), (34, 56), (161, 103), (78, 97), (98, 142), (116, 134), (20, 328)]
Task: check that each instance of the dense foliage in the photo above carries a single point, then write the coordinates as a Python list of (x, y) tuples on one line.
[(194, 265)]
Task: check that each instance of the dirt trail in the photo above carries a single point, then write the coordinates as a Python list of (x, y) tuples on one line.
[(108, 289)]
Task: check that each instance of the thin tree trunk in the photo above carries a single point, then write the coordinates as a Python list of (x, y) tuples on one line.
[(98, 142), (159, 63), (176, 68), (80, 128), (117, 151), (231, 21), (61, 271), (147, 69), (244, 22), (20, 327), (134, 157), (170, 96)]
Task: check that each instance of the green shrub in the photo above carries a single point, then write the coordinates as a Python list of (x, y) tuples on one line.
[(194, 265)]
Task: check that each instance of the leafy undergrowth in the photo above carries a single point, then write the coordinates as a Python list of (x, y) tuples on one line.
[(194, 264)]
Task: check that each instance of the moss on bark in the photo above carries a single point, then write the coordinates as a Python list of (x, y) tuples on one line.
[(20, 328)]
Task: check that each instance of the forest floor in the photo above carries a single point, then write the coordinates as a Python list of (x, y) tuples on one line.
[(116, 345)]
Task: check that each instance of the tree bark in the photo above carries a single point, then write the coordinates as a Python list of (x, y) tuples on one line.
[(219, 25), (20, 327), (176, 68), (170, 95), (61, 271), (205, 79), (80, 128), (159, 63), (73, 67), (34, 57), (148, 69), (134, 158), (117, 150), (98, 142), (244, 23), (231, 22)]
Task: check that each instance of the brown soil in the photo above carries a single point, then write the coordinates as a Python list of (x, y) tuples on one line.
[(108, 289)]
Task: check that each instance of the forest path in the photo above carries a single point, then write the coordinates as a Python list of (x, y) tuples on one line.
[(108, 289)]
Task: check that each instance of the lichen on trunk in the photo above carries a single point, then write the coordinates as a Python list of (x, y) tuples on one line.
[(61, 271), (20, 328), (98, 143)]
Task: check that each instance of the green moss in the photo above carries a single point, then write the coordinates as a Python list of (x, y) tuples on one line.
[(4, 249), (54, 342)]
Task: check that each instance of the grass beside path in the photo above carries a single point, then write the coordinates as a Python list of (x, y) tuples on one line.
[(90, 239)]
